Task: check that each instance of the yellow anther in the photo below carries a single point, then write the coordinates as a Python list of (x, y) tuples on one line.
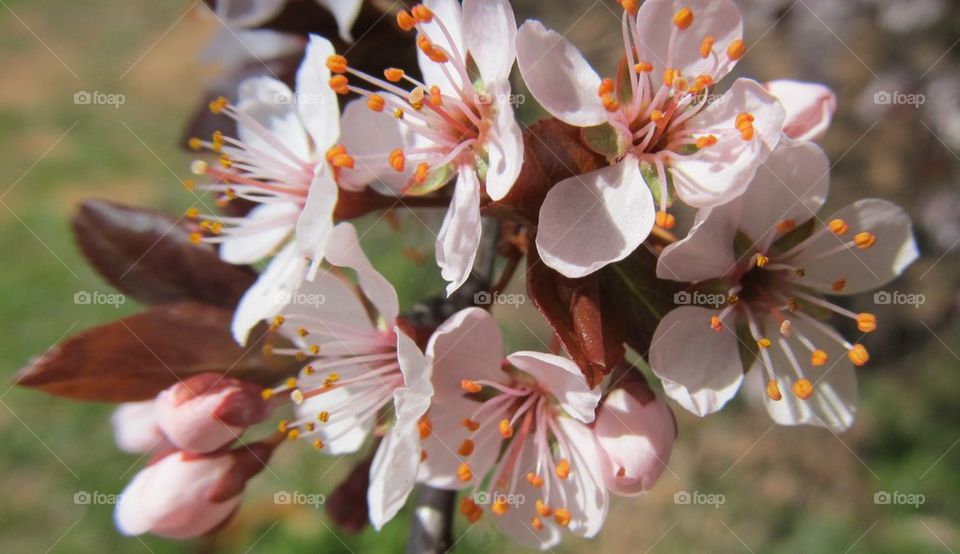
[(323, 417), (397, 160), (425, 426), (803, 389), (294, 434), (610, 102), (858, 355), (189, 184), (534, 479), (464, 473), (196, 238), (506, 430), (266, 394), (219, 104), (398, 113), (291, 382), (643, 67), (773, 390), (562, 516), (420, 175), (867, 323), (666, 220), (838, 226), (499, 507), (192, 213), (764, 343), (340, 84), (706, 46), (715, 323), (762, 260), (669, 76), (194, 143), (309, 370), (543, 509), (337, 63), (864, 240), (683, 19), (563, 468), (736, 50), (706, 142)]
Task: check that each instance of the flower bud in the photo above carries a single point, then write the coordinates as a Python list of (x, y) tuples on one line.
[(209, 411), (136, 430), (809, 107), (182, 494), (636, 431)]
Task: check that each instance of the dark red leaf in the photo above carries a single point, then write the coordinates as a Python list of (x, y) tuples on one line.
[(136, 357), (590, 331), (149, 256)]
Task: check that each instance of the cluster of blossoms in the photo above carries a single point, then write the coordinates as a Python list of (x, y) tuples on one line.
[(526, 434)]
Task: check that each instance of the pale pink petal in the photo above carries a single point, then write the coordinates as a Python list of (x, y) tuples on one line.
[(636, 435), (348, 431), (699, 367), (394, 470), (717, 18), (809, 107), (834, 401), (449, 12), (170, 498), (459, 235), (558, 76), (368, 133), (439, 469), (490, 34), (136, 430), (270, 293), (562, 378), (504, 147), (252, 246), (586, 491), (231, 49), (468, 345), (707, 251), (345, 251), (272, 105), (345, 12), (315, 99), (720, 173), (791, 185), (863, 270), (329, 297), (594, 219), (315, 223), (516, 523)]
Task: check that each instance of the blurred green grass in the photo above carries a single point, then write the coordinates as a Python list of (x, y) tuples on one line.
[(786, 490)]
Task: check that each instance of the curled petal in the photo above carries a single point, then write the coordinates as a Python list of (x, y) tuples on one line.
[(809, 107), (459, 236)]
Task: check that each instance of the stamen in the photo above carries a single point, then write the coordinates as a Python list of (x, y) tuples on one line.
[(562, 516), (406, 21), (819, 358), (773, 390), (867, 323), (464, 473), (471, 424), (858, 355), (506, 430), (706, 46), (470, 386), (337, 63), (340, 84), (376, 102), (666, 220), (838, 226), (631, 6), (864, 240), (786, 226), (643, 67), (803, 388), (466, 448), (534, 479), (397, 160), (393, 74), (563, 468), (683, 18), (499, 507), (543, 509), (425, 426), (422, 13), (736, 50)]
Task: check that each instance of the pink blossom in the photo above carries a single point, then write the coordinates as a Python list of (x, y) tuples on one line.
[(451, 126), (206, 412), (773, 282), (523, 424), (136, 430), (658, 122), (359, 370)]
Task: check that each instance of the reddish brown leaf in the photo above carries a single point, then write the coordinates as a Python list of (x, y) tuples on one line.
[(150, 256), (136, 357), (592, 335)]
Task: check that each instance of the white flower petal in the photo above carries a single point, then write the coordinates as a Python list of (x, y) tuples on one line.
[(271, 104), (368, 133), (809, 107), (562, 378), (459, 235), (316, 100), (594, 219), (558, 76), (449, 12), (868, 269), (248, 13), (700, 368), (586, 491), (721, 172), (504, 148), (316, 221), (250, 247), (490, 34), (270, 293), (707, 251), (345, 12), (344, 250)]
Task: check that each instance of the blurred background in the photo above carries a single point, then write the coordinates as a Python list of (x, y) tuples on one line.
[(890, 484)]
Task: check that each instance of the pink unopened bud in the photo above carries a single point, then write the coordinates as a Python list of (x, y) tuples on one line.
[(636, 431), (809, 107), (182, 494), (208, 411), (136, 430)]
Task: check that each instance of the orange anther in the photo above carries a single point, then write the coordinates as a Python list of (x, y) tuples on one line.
[(706, 46), (736, 50), (337, 63), (803, 389), (470, 386), (683, 19), (340, 84), (773, 390)]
